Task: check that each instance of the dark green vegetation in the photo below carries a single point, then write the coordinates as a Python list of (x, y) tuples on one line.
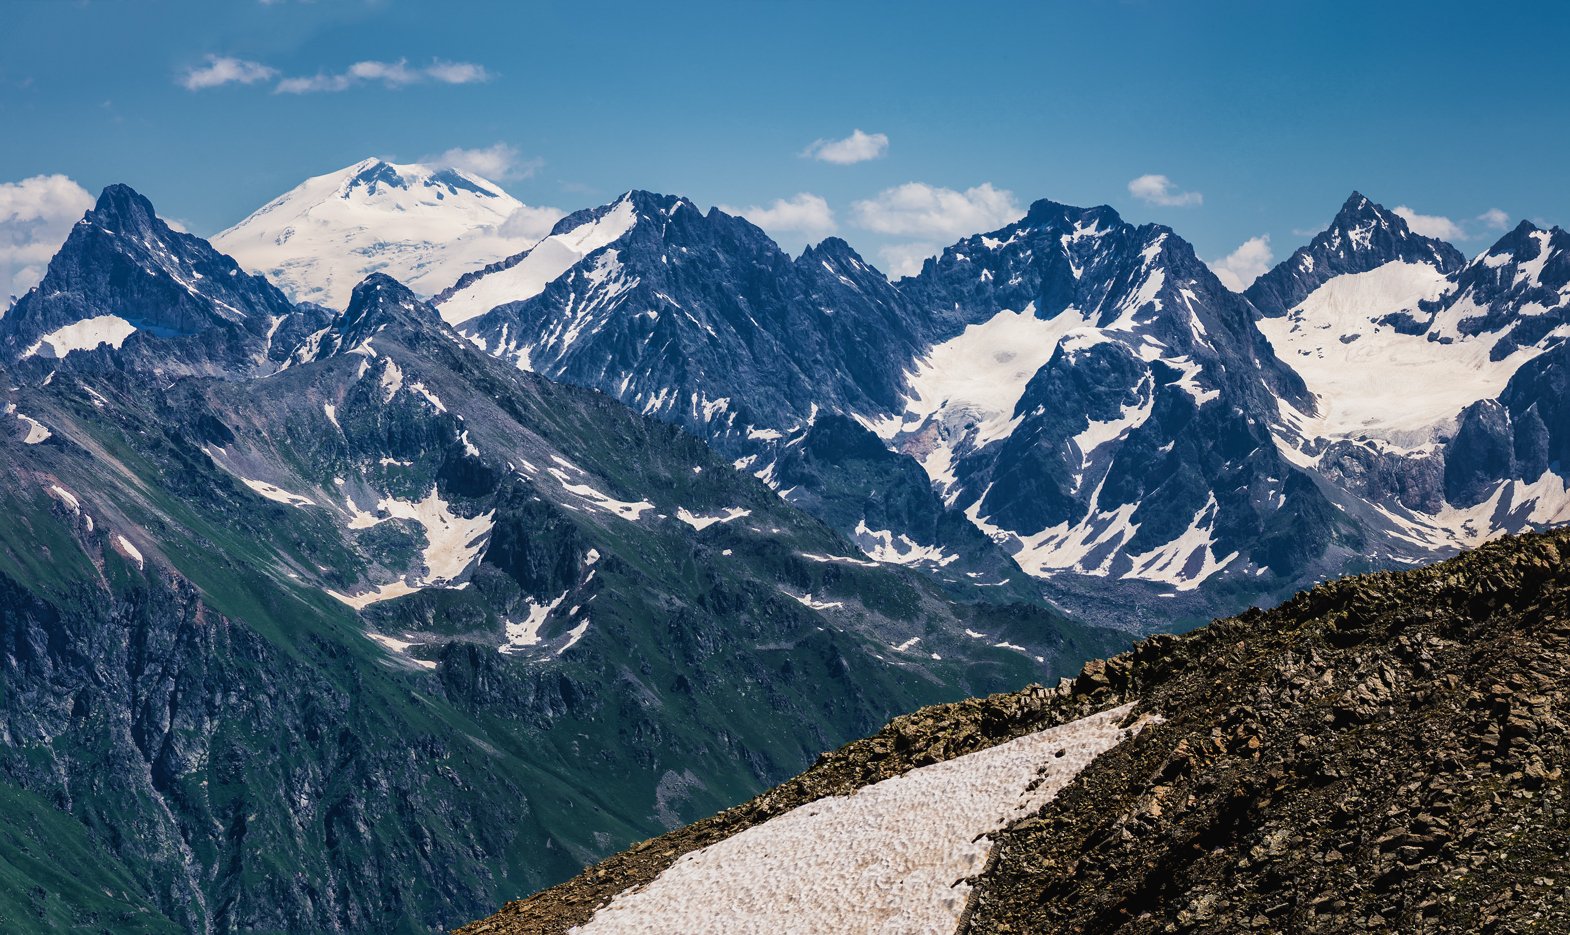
[(196, 736), (1384, 753)]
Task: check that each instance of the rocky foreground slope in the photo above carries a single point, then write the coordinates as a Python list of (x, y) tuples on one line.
[(1381, 753)]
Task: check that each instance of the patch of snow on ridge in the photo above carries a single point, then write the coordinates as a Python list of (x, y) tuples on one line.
[(540, 266), (129, 551), (1513, 506), (401, 647), (891, 857), (817, 604), (82, 335), (37, 432), (627, 510), (882, 545), (524, 633), (701, 523), (276, 494), (1187, 560), (452, 543), (983, 371), (66, 498)]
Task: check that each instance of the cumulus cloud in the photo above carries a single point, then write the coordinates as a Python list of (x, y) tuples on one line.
[(1238, 269), (806, 214), (222, 70), (530, 221), (1430, 225), (916, 209), (497, 162), (36, 214), (389, 74), (858, 147), (1160, 191), (930, 215), (904, 259), (1494, 219)]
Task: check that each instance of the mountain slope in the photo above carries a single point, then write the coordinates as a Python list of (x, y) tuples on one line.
[(420, 224), (1381, 752), (1362, 237), (1127, 436), (125, 285), (421, 627), (703, 321), (1430, 384)]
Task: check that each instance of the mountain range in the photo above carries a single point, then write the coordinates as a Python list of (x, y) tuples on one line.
[(1091, 410), (363, 574), (335, 591)]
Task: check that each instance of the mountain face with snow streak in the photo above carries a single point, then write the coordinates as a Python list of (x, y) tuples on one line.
[(1438, 400), (701, 320), (1363, 236), (160, 300), (1123, 433), (422, 225)]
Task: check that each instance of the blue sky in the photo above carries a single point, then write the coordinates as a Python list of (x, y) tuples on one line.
[(1261, 116)]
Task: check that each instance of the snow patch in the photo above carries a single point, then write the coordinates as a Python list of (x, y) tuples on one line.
[(129, 551), (701, 523), (882, 545), (895, 856), (82, 335), (522, 634)]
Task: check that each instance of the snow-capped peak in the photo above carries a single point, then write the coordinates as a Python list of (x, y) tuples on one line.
[(423, 225), (526, 274), (1362, 237)]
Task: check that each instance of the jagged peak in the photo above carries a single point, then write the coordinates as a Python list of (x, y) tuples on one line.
[(381, 299), (1047, 211), (377, 303), (832, 248), (122, 203)]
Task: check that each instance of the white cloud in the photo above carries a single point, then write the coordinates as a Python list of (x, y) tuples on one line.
[(36, 214), (495, 162), (390, 74), (530, 221), (457, 72), (1238, 269), (916, 209), (905, 259), (806, 214), (1494, 219), (1430, 225), (1159, 190), (223, 69), (858, 147)]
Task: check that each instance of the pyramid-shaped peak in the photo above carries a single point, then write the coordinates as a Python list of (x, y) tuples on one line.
[(122, 204)]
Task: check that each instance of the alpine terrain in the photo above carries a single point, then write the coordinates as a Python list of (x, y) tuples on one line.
[(1381, 753), (323, 620), (1074, 406)]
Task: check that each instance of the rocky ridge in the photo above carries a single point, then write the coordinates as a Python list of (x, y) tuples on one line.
[(1381, 753)]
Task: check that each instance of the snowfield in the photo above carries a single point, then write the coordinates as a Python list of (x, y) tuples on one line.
[(421, 225), (82, 335), (1371, 379), (891, 858)]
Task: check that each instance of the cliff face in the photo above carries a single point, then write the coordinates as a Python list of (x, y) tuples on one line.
[(1381, 753)]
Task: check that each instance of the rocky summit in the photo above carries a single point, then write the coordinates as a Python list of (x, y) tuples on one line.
[(1381, 753)]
